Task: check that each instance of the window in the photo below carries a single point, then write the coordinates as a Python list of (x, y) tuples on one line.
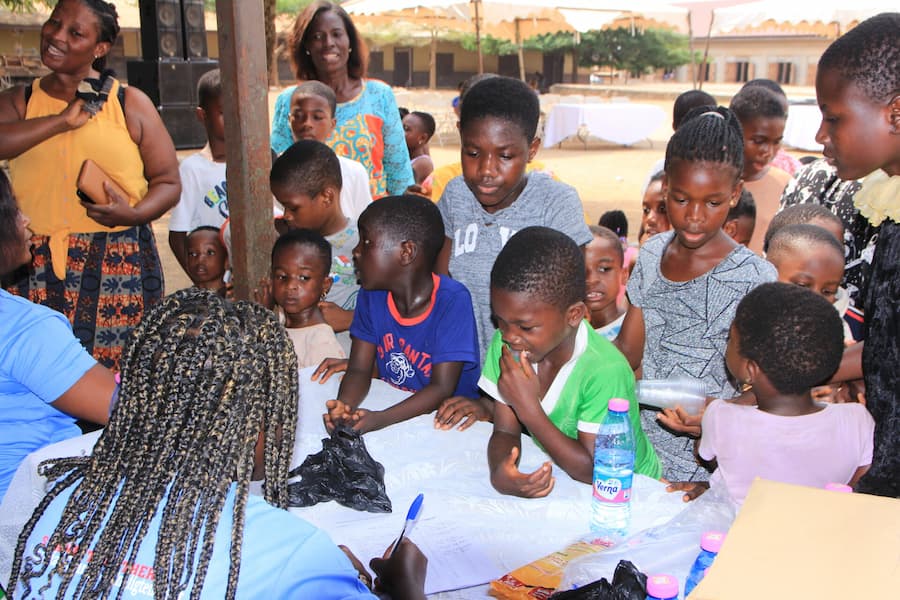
[(785, 72), (742, 74)]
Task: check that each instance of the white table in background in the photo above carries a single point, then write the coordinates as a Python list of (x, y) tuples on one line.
[(623, 123), (802, 124)]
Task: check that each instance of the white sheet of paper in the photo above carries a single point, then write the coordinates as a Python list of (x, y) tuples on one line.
[(455, 561)]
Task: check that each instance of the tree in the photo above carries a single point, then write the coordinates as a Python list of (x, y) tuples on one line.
[(635, 52)]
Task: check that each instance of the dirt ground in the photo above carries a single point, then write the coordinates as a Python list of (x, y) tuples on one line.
[(607, 176)]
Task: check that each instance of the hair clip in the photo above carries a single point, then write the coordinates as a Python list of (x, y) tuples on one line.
[(713, 113)]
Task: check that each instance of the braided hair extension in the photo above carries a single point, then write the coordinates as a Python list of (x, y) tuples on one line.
[(708, 135), (201, 376)]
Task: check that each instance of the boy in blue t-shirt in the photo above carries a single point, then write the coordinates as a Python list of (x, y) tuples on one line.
[(417, 329)]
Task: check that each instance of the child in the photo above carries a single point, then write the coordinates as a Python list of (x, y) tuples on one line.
[(808, 256), (312, 118), (687, 282), (549, 371), (204, 198), (653, 209), (856, 87), (495, 197), (805, 214), (419, 127), (207, 259), (208, 403), (684, 103), (762, 116), (301, 262), (741, 219), (605, 276), (307, 181), (617, 222), (787, 436), (782, 159), (416, 327)]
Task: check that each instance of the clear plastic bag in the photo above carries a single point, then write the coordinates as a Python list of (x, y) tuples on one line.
[(667, 548)]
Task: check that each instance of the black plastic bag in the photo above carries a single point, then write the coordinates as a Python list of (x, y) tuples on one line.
[(343, 471), (628, 584)]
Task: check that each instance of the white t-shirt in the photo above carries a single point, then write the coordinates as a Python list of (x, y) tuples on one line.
[(355, 194), (204, 198)]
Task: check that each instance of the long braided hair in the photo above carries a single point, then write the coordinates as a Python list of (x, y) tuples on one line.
[(201, 378)]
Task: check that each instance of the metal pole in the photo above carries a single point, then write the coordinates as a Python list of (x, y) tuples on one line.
[(242, 59), (478, 37)]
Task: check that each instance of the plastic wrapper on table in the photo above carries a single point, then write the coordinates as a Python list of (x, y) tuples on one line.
[(343, 471), (628, 584), (667, 548)]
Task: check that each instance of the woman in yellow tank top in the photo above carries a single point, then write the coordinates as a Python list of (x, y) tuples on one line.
[(96, 263)]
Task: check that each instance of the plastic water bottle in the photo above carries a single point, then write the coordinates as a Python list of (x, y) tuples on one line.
[(613, 472), (662, 587), (686, 392), (709, 548)]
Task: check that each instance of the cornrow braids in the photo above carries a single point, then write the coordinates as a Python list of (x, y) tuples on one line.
[(200, 377), (108, 19), (708, 135)]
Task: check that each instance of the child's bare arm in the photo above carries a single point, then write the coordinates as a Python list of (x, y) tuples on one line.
[(504, 449), (630, 340), (178, 244), (339, 319), (444, 378), (463, 411), (358, 377), (520, 388)]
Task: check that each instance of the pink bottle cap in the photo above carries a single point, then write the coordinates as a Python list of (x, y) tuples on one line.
[(712, 541), (662, 586), (838, 487), (618, 404)]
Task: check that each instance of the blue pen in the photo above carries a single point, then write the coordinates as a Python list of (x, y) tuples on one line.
[(412, 516)]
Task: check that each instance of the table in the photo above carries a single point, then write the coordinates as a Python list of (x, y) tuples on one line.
[(622, 123), (449, 467), (802, 125)]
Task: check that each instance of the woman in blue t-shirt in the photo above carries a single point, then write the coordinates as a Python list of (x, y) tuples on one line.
[(47, 379), (208, 401)]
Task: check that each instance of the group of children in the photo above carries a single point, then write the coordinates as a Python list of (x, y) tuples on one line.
[(496, 304), (517, 313)]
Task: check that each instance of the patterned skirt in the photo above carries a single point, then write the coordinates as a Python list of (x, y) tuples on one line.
[(111, 279)]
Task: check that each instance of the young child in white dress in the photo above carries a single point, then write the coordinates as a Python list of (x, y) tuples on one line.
[(301, 261)]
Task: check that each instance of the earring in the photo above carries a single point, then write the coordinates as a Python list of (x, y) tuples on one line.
[(746, 386), (307, 52), (322, 297)]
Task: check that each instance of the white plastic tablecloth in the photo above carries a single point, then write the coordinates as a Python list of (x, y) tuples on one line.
[(801, 127), (449, 467), (623, 123)]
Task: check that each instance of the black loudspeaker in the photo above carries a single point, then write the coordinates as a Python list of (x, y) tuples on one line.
[(193, 20), (182, 124), (172, 86), (165, 81), (161, 30)]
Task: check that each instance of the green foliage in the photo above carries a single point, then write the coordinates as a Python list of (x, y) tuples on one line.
[(560, 41), (18, 5), (637, 52), (489, 45), (290, 6)]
